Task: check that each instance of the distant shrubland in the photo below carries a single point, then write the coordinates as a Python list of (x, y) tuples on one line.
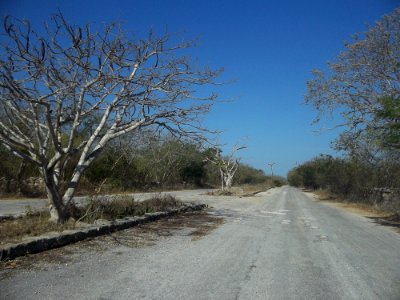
[(352, 179), (159, 163)]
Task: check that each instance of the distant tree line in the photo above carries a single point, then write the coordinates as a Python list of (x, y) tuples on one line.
[(345, 176), (131, 164), (352, 179)]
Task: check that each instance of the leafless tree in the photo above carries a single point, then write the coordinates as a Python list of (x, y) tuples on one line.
[(227, 165), (367, 71), (72, 79)]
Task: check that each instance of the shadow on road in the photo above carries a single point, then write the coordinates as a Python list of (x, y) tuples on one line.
[(391, 221)]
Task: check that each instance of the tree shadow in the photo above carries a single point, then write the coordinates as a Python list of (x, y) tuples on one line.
[(391, 221)]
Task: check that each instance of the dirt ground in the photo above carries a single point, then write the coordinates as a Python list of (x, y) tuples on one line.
[(365, 210), (194, 224)]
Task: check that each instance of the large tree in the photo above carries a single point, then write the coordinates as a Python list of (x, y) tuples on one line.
[(68, 90), (363, 85)]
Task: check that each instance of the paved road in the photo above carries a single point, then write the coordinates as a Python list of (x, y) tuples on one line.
[(278, 245)]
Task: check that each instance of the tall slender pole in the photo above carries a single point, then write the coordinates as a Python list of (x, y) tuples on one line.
[(272, 170)]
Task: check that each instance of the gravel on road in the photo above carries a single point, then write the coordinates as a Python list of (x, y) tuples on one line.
[(280, 244)]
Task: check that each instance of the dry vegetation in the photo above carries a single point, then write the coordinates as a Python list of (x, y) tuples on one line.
[(29, 225), (35, 224), (245, 190), (123, 206), (359, 208), (367, 210), (194, 225)]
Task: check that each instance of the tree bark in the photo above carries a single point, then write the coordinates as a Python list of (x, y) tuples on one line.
[(58, 212), (20, 184), (222, 180), (228, 182), (94, 88)]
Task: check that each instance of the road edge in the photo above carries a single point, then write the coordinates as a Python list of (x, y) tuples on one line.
[(59, 239)]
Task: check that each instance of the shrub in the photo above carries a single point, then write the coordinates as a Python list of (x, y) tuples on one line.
[(124, 206)]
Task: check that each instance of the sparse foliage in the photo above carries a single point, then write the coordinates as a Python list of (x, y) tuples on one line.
[(70, 91), (228, 165), (363, 85)]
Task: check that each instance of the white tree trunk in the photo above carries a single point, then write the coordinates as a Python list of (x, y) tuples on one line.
[(228, 181), (125, 90), (58, 212)]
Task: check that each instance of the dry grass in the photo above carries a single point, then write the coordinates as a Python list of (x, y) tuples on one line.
[(35, 224), (231, 192), (17, 197), (124, 206), (245, 190), (194, 225), (366, 210), (363, 209), (255, 188), (12, 231)]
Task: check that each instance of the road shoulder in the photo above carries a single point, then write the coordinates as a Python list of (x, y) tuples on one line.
[(364, 210)]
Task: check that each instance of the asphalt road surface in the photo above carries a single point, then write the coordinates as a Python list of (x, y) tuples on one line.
[(280, 244)]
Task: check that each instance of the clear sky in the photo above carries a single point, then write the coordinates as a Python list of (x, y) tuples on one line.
[(268, 47)]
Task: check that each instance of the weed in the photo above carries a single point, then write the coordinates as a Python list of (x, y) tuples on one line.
[(124, 206), (32, 224), (245, 190), (35, 223)]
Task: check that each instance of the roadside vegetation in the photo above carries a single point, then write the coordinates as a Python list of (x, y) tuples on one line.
[(361, 89), (67, 91), (161, 163), (85, 111), (94, 211), (351, 180)]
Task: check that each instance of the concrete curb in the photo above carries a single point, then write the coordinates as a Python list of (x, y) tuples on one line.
[(58, 239)]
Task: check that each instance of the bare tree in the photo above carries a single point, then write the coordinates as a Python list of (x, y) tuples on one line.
[(227, 165), (54, 85), (360, 79)]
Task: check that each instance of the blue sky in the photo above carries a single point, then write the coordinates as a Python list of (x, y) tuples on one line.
[(268, 47)]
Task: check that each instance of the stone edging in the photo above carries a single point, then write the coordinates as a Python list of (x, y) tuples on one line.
[(58, 239)]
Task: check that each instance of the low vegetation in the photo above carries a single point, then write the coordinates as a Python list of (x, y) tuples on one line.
[(250, 189), (159, 164), (124, 206), (36, 223), (13, 230), (192, 225), (351, 179)]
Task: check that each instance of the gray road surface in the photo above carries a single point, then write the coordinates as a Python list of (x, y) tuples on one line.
[(278, 245)]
